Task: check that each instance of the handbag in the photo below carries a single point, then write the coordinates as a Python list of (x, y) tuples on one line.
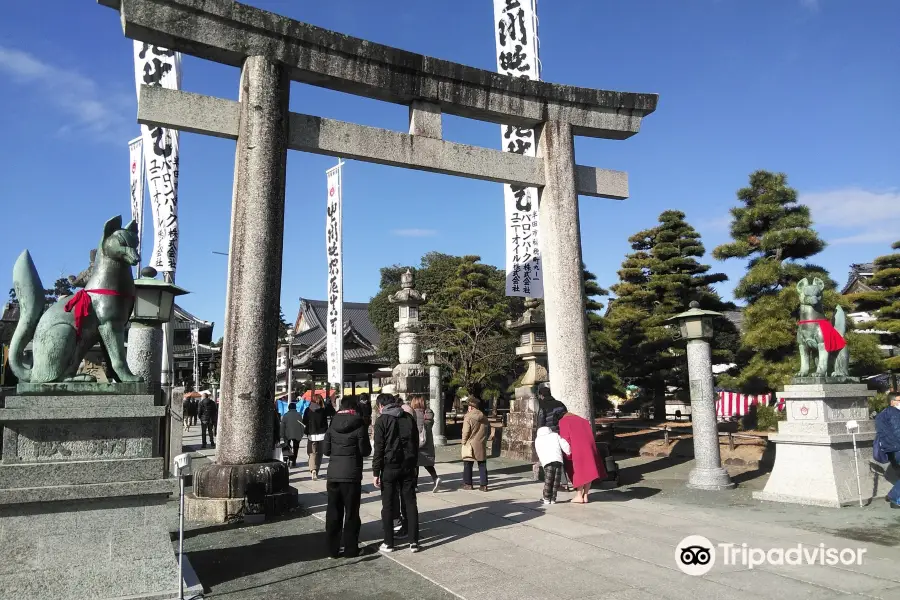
[(878, 452), (468, 453)]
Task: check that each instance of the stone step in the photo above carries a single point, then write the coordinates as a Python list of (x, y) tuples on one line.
[(32, 475)]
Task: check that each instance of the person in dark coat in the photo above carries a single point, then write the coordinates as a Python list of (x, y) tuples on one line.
[(292, 430), (550, 411), (347, 443), (394, 467), (887, 424), (208, 412), (365, 409), (186, 410), (315, 422)]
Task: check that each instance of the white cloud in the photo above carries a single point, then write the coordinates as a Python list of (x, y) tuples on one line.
[(857, 216), (812, 5), (415, 232), (95, 112)]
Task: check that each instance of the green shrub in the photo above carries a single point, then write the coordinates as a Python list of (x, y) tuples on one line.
[(878, 403), (767, 418)]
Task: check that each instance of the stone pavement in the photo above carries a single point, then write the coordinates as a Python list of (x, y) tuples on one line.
[(621, 546)]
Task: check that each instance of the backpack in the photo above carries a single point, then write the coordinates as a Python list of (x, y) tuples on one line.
[(400, 442)]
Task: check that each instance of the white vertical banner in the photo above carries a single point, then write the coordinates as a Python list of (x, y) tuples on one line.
[(517, 55), (136, 174), (334, 255), (157, 66), (195, 344)]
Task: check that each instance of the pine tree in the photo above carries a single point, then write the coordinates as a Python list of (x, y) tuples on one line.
[(884, 302), (657, 281), (602, 346), (775, 233)]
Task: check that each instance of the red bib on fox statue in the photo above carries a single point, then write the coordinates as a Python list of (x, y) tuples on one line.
[(80, 305), (834, 341)]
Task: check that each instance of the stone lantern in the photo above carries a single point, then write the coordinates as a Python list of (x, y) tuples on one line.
[(518, 437), (153, 306), (696, 327), (409, 376)]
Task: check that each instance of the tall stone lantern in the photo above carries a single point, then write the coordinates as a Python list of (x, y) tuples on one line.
[(696, 326), (409, 376), (518, 438)]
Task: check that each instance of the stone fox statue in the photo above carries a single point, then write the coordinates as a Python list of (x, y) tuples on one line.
[(67, 330), (821, 342)]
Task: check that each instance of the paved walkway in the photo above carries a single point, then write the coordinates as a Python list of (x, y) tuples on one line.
[(621, 546)]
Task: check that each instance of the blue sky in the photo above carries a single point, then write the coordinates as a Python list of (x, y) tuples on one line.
[(805, 87)]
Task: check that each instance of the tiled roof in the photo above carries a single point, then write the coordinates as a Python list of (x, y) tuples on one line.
[(182, 350), (315, 314), (183, 320)]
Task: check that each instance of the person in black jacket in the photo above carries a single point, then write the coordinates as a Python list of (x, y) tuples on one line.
[(315, 422), (208, 412), (365, 408), (346, 442), (550, 411), (394, 468)]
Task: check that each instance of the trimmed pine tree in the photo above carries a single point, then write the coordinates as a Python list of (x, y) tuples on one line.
[(773, 231)]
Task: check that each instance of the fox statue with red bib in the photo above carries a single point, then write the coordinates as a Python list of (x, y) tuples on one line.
[(66, 331)]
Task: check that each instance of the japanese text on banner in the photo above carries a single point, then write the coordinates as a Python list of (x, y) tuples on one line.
[(334, 250), (157, 66), (136, 175), (517, 55)]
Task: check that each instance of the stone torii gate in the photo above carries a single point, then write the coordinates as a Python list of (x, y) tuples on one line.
[(271, 51)]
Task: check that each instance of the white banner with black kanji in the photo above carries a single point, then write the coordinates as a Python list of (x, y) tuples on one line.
[(136, 176), (517, 55), (334, 256), (160, 67)]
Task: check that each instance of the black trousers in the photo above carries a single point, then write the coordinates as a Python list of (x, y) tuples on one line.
[(295, 447), (482, 472), (342, 521), (394, 486), (209, 428)]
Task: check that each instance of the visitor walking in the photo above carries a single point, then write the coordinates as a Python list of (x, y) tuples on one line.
[(424, 421), (584, 466), (475, 431), (346, 442), (364, 408), (394, 468), (315, 422), (292, 430), (887, 426), (186, 410), (550, 449), (208, 412)]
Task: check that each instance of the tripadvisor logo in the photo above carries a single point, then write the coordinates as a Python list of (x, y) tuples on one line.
[(696, 555)]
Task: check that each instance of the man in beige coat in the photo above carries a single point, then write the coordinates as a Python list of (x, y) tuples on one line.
[(475, 433)]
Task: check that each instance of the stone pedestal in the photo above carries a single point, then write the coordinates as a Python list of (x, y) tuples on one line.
[(85, 510), (521, 425), (814, 458), (145, 350)]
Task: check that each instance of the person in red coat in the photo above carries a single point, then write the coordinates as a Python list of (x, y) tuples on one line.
[(584, 465)]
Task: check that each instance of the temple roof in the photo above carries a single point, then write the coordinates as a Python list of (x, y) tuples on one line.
[(313, 314)]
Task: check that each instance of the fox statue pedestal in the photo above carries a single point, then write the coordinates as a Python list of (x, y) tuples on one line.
[(85, 510), (814, 459)]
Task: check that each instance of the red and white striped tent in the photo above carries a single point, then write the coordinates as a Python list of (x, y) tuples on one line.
[(734, 404)]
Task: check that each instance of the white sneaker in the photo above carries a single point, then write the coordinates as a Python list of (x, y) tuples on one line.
[(413, 548), (437, 484), (545, 502), (386, 549)]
